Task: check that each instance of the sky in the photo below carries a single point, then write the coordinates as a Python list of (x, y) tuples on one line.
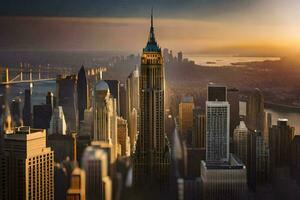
[(235, 27)]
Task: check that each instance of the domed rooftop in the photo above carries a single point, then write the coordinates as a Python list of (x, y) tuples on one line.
[(102, 86)]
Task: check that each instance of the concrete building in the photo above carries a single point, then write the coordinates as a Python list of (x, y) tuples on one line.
[(28, 165), (185, 118)]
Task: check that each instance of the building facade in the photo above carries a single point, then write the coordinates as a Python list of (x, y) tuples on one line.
[(28, 165), (186, 107)]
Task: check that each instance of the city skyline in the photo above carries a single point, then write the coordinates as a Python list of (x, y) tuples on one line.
[(80, 122)]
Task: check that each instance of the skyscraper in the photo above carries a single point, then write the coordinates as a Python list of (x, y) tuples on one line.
[(95, 164), (281, 137), (151, 159), (255, 111), (58, 123), (114, 88), (258, 160), (28, 165), (186, 107), (105, 116), (27, 117), (240, 141), (81, 93), (123, 138), (67, 98), (217, 130), (199, 128), (132, 105), (233, 99)]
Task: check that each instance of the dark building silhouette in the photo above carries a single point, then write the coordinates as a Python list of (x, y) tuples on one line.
[(42, 116), (27, 116), (281, 137), (295, 164), (114, 89), (67, 98), (122, 101), (233, 99), (81, 93), (216, 93), (1, 103), (258, 160), (62, 146)]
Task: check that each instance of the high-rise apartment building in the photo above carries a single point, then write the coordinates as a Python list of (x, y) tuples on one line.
[(152, 157), (28, 165)]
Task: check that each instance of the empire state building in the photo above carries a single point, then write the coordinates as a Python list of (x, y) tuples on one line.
[(151, 158)]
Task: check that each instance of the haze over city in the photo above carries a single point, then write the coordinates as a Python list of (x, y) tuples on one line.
[(233, 27)]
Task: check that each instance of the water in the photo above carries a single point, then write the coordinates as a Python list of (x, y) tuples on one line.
[(217, 61), (39, 91), (293, 117)]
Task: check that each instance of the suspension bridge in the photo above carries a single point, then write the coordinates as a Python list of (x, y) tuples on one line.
[(30, 74)]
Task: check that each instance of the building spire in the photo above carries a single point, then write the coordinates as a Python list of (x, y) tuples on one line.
[(152, 17)]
